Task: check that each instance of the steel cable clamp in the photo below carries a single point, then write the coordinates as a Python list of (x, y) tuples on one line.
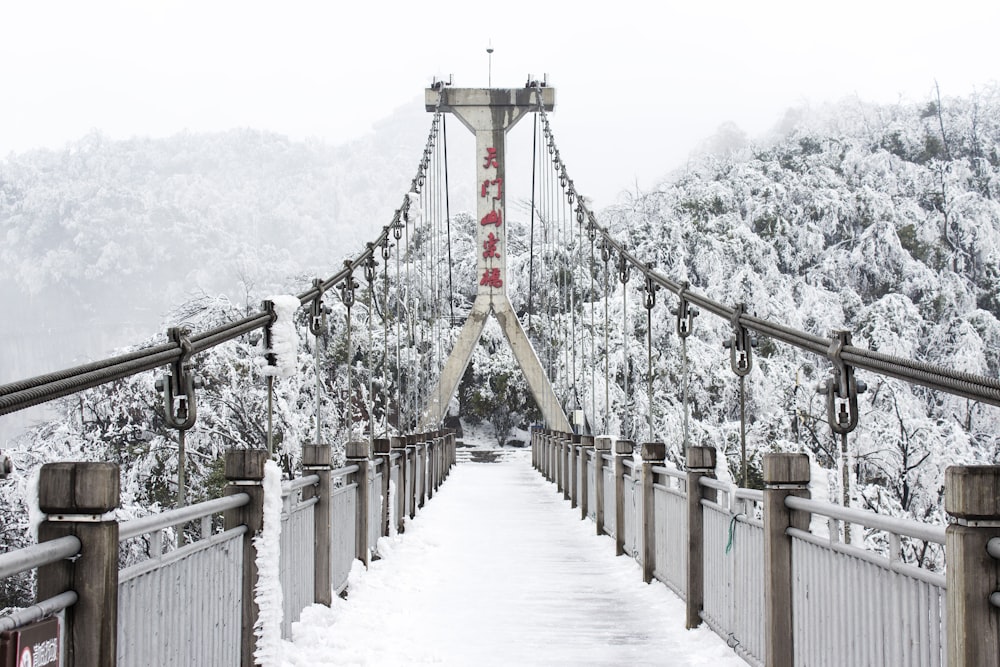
[(179, 407), (385, 247), (317, 311), (740, 344), (842, 389), (651, 286), (370, 264), (623, 266), (348, 286), (685, 312)]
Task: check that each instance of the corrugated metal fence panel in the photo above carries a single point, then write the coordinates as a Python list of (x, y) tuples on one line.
[(591, 491), (375, 510), (853, 610), (185, 612), (342, 534), (670, 514), (632, 503), (297, 560), (719, 609), (748, 582), (734, 589), (394, 491), (609, 496)]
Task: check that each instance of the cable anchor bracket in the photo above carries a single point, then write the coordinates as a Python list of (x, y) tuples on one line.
[(348, 286), (370, 264), (841, 388), (651, 287), (317, 311), (623, 266), (180, 410), (685, 312), (740, 344)]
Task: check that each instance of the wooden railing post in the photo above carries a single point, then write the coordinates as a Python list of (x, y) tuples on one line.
[(432, 447), (543, 453), (653, 454), (586, 448), (451, 450), (623, 450), (244, 469), (316, 461), (564, 452), (972, 498), (561, 463), (602, 446), (381, 450), (77, 498), (429, 467), (438, 459), (358, 454), (700, 462), (557, 459), (784, 475), (534, 447), (412, 454), (397, 445), (550, 457)]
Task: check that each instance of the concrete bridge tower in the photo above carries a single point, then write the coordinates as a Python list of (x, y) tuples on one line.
[(489, 113)]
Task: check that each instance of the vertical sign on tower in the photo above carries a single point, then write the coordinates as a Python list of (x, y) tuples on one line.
[(490, 207)]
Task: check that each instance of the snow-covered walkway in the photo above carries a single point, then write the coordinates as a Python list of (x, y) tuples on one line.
[(497, 570)]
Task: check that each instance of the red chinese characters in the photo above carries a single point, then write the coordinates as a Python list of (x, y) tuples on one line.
[(491, 278), (491, 189), (491, 159), (490, 246), (492, 218), (487, 186)]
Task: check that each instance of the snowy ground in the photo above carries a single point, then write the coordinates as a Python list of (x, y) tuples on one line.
[(483, 436), (497, 570)]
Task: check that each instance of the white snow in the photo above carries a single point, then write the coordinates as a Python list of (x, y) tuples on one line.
[(414, 212), (35, 514), (284, 338), (267, 592), (498, 570)]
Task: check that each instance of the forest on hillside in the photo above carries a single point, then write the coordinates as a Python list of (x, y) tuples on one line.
[(881, 220)]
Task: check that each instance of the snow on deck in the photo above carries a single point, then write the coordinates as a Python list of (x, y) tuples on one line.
[(498, 570)]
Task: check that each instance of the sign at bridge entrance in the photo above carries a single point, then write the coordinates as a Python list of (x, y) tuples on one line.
[(489, 113), (34, 645)]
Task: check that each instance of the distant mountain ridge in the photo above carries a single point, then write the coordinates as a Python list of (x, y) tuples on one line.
[(110, 235)]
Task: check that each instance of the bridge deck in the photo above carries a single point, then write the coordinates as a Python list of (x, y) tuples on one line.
[(497, 570)]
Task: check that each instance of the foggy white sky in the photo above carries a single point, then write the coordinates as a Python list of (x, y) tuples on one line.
[(638, 83)]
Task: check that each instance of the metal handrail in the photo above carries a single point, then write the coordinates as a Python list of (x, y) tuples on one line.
[(670, 472), (345, 471), (164, 520), (37, 555), (289, 486), (889, 524), (37, 612)]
